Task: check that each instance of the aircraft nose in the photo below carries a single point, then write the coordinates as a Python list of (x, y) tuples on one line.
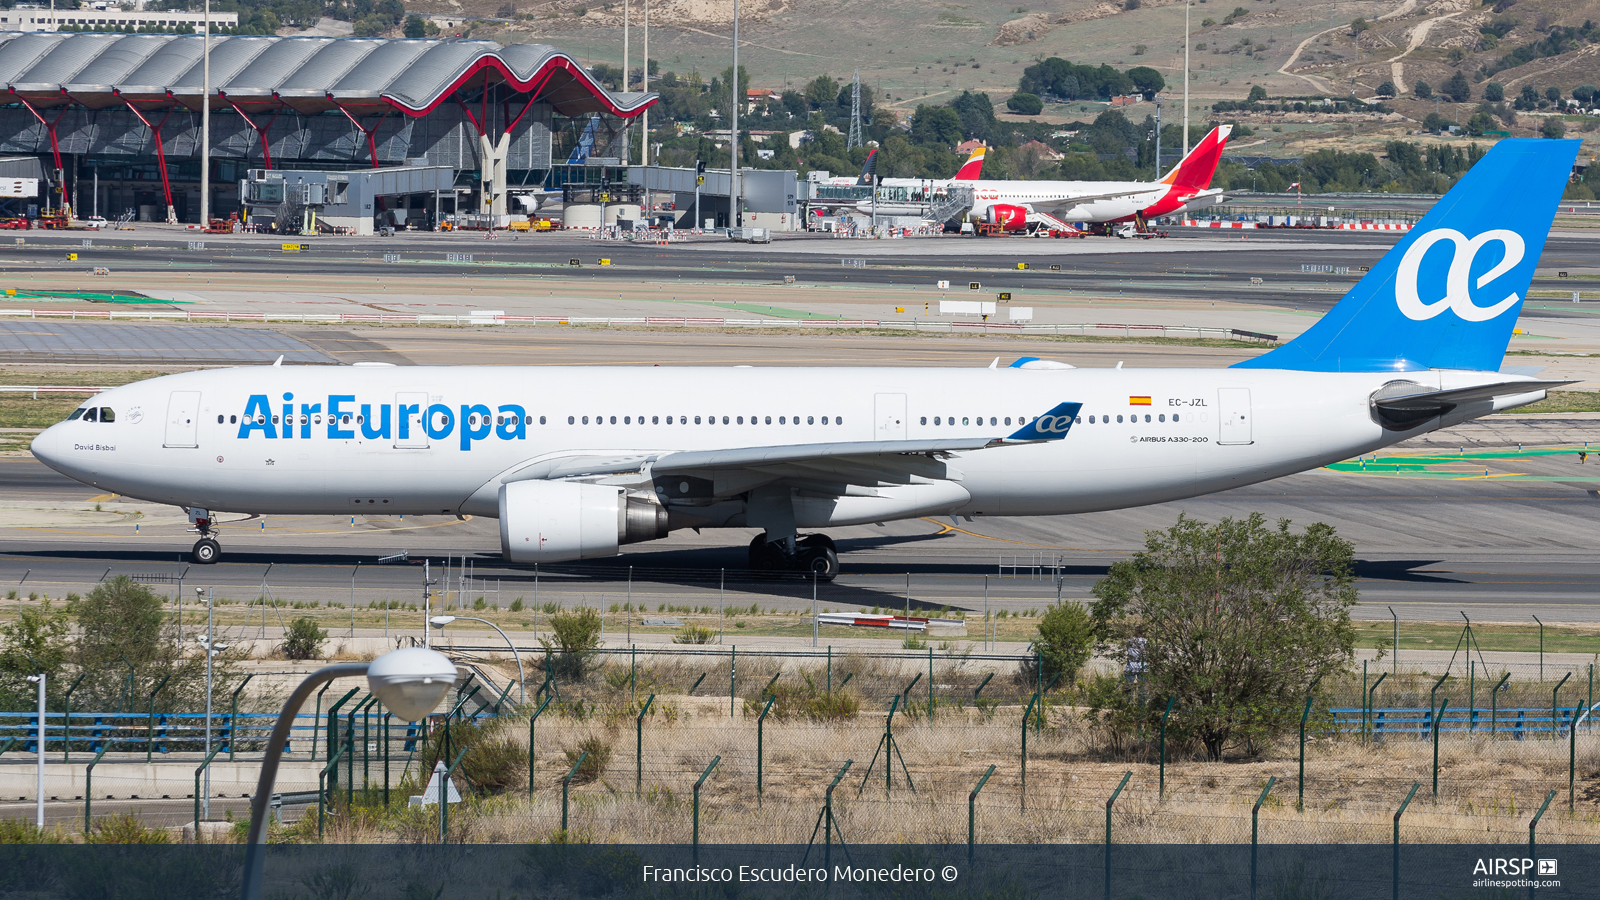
[(44, 446)]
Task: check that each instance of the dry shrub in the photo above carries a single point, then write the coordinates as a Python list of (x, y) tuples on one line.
[(598, 756), (495, 762)]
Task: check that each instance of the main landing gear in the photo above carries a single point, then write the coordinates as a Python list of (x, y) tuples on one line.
[(206, 550), (811, 555)]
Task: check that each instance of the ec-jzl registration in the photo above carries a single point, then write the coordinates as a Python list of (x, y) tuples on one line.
[(577, 461)]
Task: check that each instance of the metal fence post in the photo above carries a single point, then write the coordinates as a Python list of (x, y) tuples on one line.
[(1572, 759), (66, 729), (316, 727), (325, 786), (1438, 720), (1255, 813), (1300, 802), (197, 772), (638, 750), (1554, 704), (703, 776), (566, 782), (1397, 814), (1161, 793), (733, 675), (972, 816), (1533, 825), (1109, 801), (88, 784), (1494, 704), (1541, 649), (386, 717), (150, 745), (444, 797), (1025, 714), (532, 720), (233, 718), (761, 722), (1372, 704)]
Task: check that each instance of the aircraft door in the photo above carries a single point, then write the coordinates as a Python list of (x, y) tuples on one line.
[(889, 414), (1233, 416), (410, 409), (183, 419)]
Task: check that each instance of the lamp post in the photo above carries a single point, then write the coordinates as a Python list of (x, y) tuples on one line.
[(409, 682), (39, 679), (205, 124), (212, 648), (442, 621)]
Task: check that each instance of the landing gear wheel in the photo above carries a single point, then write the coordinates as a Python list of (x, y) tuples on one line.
[(206, 551), (818, 540), (820, 562), (764, 556)]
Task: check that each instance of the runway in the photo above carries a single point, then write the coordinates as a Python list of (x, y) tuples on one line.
[(1499, 550)]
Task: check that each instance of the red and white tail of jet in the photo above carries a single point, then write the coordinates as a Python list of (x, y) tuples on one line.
[(1191, 177), (973, 167)]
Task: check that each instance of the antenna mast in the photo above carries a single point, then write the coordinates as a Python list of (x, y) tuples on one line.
[(855, 114)]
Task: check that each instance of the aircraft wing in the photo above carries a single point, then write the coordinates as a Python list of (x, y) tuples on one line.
[(838, 463)]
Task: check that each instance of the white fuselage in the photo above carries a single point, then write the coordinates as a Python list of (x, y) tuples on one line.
[(179, 439), (905, 195)]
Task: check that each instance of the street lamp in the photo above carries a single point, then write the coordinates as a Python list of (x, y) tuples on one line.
[(442, 621), (410, 682)]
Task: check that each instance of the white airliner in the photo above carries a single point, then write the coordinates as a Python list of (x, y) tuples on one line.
[(576, 461), (1015, 204)]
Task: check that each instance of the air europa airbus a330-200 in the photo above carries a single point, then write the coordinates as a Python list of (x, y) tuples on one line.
[(575, 462)]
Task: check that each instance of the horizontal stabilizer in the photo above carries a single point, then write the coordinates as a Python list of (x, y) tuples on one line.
[(1423, 398)]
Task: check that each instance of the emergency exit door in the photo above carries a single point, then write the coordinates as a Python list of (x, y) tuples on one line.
[(889, 414), (1233, 416), (183, 419)]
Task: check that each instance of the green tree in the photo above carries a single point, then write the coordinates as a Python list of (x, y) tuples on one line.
[(1146, 81), (1064, 643), (1025, 104), (415, 27), (936, 126), (1387, 89), (39, 639), (1494, 92), (1422, 90), (1553, 128), (1257, 93), (1235, 620), (1458, 88), (821, 91)]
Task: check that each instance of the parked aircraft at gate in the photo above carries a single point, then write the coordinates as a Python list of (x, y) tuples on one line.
[(1015, 204), (576, 461)]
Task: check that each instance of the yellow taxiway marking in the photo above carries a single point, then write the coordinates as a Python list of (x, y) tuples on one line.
[(952, 529)]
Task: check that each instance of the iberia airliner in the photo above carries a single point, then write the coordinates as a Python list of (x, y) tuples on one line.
[(577, 461)]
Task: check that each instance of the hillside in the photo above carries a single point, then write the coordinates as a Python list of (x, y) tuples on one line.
[(914, 52)]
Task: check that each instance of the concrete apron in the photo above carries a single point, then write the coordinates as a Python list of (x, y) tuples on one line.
[(148, 781)]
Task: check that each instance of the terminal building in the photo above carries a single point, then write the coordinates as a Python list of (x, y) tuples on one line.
[(115, 118)]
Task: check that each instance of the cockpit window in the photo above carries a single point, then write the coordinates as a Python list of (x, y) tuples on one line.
[(91, 415), (75, 414), (106, 415)]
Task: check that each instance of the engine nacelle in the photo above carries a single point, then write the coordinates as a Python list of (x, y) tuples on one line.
[(1007, 216), (554, 521)]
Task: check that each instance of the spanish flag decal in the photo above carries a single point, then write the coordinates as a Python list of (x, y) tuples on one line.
[(1138, 401)]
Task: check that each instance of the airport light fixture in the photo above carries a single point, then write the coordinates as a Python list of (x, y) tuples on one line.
[(410, 682), (442, 621)]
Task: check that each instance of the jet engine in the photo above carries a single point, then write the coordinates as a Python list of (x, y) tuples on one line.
[(1007, 216), (554, 521)]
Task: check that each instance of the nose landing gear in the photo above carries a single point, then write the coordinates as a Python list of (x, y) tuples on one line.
[(206, 550), (813, 554)]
